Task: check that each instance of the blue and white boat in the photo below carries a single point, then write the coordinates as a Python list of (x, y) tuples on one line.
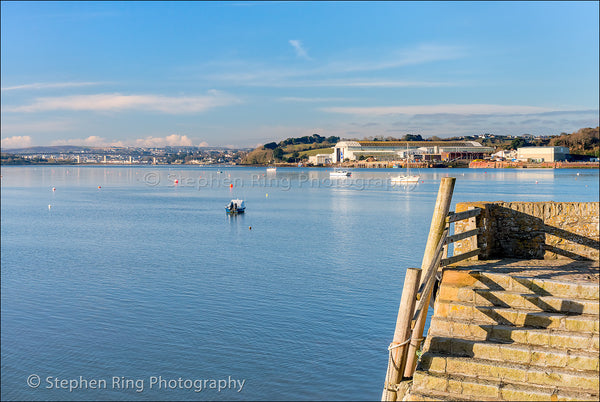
[(236, 207)]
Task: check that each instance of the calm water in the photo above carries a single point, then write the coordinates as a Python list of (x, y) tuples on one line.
[(144, 280)]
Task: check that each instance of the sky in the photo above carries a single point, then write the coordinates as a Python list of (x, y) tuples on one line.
[(240, 74)]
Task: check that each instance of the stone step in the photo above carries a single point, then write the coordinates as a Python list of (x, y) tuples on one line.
[(515, 353), (517, 317), (521, 284), (556, 338), (528, 301), (518, 374), (434, 395), (460, 387)]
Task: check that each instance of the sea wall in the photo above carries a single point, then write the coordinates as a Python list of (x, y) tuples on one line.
[(479, 164), (533, 230)]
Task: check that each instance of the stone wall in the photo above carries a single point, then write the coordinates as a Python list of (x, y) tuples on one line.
[(533, 230)]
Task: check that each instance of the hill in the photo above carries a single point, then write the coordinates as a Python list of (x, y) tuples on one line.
[(586, 141), (290, 150)]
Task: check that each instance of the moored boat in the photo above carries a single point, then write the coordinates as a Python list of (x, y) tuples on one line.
[(236, 207), (340, 173), (406, 178)]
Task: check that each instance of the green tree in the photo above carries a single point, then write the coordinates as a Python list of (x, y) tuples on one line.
[(518, 143)]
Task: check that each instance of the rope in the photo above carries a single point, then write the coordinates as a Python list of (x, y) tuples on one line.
[(388, 385), (397, 345)]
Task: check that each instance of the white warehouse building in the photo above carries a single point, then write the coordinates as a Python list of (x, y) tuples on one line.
[(543, 154), (395, 150)]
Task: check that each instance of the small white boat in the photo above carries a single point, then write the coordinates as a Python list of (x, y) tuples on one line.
[(236, 207), (406, 179), (340, 173), (271, 169)]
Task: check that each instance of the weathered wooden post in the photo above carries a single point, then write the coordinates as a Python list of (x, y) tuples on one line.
[(399, 345), (438, 224)]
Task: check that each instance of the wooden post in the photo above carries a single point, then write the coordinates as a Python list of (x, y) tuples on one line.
[(472, 224), (438, 224), (401, 334)]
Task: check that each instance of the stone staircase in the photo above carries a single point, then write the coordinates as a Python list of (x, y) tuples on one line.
[(508, 336)]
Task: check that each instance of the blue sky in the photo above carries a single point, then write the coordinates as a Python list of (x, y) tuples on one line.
[(246, 73)]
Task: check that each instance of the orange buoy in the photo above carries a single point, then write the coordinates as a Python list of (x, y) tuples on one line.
[(231, 185), (99, 186), (53, 188), (176, 181)]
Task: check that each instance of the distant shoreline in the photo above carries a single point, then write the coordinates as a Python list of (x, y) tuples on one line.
[(352, 165)]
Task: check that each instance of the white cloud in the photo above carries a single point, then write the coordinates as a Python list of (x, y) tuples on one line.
[(150, 141), (439, 109), (119, 102), (300, 51), (91, 141), (16, 141), (170, 140), (49, 85)]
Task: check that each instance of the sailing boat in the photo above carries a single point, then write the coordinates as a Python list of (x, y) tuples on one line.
[(406, 178)]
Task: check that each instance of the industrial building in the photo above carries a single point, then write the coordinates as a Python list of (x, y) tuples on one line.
[(543, 154), (320, 159), (415, 150)]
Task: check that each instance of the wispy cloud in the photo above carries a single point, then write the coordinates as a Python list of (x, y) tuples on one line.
[(119, 102), (16, 141), (313, 100), (420, 54), (354, 69), (477, 109), (349, 83), (49, 85), (36, 127), (300, 51)]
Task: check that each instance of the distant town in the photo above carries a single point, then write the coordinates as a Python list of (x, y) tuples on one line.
[(317, 150), (123, 155)]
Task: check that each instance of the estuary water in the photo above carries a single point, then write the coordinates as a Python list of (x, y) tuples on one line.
[(120, 284)]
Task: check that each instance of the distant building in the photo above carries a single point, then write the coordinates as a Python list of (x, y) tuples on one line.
[(543, 154), (424, 150), (505, 154), (320, 159)]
